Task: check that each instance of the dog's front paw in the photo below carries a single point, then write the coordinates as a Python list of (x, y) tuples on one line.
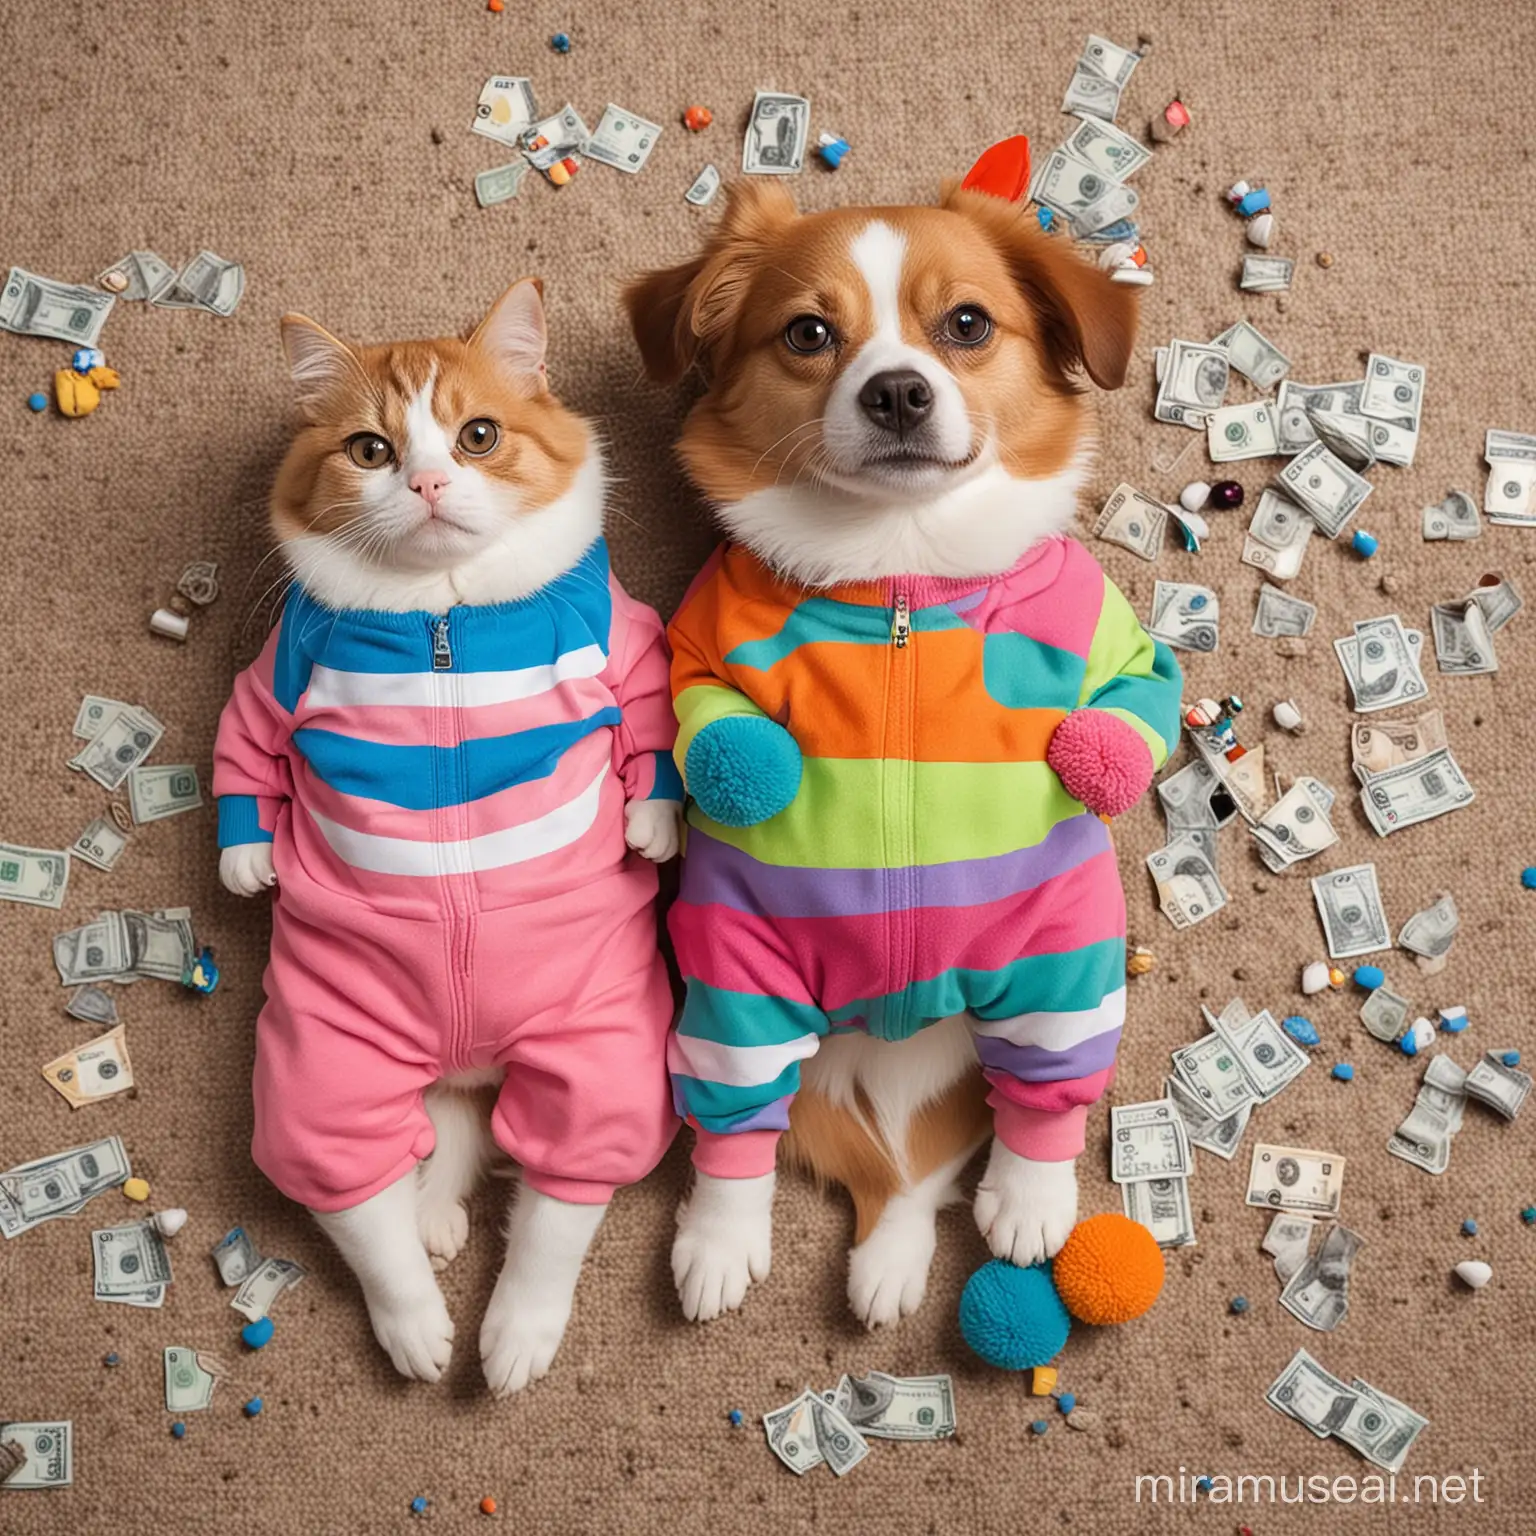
[(521, 1332), (888, 1271), (247, 868), (1025, 1210), (653, 828), (414, 1329), (444, 1228), (743, 769), (724, 1242)]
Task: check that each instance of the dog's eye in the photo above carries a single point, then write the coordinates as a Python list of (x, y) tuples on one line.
[(808, 333), (479, 436), (368, 450), (967, 325)]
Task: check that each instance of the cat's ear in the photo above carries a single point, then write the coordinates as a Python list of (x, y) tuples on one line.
[(318, 361), (514, 335)]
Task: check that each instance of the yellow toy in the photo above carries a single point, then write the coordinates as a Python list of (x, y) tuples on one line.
[(78, 394), (1109, 1271)]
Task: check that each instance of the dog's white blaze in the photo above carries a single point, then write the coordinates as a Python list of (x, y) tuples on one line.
[(878, 252)]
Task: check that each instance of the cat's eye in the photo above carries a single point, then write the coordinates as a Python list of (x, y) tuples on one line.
[(967, 325), (369, 451), (807, 334), (479, 436)]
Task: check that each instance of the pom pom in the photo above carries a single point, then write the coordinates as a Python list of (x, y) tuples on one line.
[(1101, 761), (1109, 1271), (743, 769), (1013, 1317)]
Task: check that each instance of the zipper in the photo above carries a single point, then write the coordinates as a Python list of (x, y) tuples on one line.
[(442, 647), (901, 625), (453, 821), (902, 809)]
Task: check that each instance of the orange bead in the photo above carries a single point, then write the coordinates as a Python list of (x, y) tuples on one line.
[(1109, 1270), (697, 119), (488, 1505), (495, 5)]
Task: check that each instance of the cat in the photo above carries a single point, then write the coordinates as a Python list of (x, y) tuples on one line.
[(452, 760)]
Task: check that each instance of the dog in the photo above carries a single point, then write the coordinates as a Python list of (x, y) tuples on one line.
[(903, 694)]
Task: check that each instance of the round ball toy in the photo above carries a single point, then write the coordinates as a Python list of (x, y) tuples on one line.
[(1013, 1317), (1109, 1270)]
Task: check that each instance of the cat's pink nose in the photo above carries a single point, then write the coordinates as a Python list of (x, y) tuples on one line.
[(429, 484)]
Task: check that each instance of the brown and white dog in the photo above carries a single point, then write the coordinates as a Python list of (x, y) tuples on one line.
[(889, 391)]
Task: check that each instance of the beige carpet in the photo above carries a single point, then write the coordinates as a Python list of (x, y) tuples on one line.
[(328, 147)]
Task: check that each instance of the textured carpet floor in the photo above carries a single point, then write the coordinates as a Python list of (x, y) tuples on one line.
[(328, 148)]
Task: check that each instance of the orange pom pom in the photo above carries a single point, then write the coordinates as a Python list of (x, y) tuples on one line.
[(1109, 1271)]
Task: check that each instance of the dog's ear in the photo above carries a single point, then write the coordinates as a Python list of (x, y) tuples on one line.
[(1087, 319), (681, 314)]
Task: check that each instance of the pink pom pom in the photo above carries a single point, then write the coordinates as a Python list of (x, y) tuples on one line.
[(1101, 761)]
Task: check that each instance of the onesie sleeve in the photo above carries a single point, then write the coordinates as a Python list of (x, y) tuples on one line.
[(638, 676), (250, 766), (1133, 677)]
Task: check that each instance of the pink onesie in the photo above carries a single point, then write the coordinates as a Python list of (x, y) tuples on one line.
[(445, 796)]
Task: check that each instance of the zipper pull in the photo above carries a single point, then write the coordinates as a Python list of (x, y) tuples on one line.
[(901, 625), (442, 651)]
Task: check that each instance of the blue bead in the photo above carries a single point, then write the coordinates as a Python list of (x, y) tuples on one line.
[(1046, 217), (833, 153), (253, 1407), (1238, 1305), (1344, 1072), (1302, 1031), (1204, 1484), (560, 42), (1013, 1317), (1253, 202), (37, 402), (1370, 977), (1364, 544), (737, 1418), (743, 770), (1409, 1044), (179, 1430), (1039, 1426), (1510, 1058), (1469, 1228), (1454, 1024), (111, 1359), (1067, 1401), (418, 1505), (1528, 1215), (1528, 877), (258, 1334)]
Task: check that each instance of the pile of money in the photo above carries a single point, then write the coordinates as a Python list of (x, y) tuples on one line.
[(190, 1377), (561, 136), (1266, 274), (52, 1187), (37, 1455), (38, 306), (1098, 78), (622, 140), (1424, 1138), (1296, 826), (1083, 181), (1185, 616), (1455, 518), (127, 946), (1511, 459), (1300, 1180), (132, 1267), (260, 1281), (1151, 1162), (1349, 903), (35, 877), (1317, 1292), (93, 1071), (836, 1426), (1133, 520), (1377, 1426), (1464, 629), (207, 282), (1381, 664), (121, 737), (777, 130)]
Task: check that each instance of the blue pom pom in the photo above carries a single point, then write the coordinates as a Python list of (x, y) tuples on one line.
[(1013, 1317), (743, 770)]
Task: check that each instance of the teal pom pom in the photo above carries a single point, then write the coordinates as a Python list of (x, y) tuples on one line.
[(743, 770), (1013, 1317)]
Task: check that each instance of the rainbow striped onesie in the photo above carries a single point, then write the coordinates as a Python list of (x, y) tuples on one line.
[(930, 862)]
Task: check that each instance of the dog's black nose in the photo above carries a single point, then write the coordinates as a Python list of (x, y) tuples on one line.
[(897, 401)]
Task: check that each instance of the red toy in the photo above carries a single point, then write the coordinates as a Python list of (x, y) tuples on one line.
[(1002, 171)]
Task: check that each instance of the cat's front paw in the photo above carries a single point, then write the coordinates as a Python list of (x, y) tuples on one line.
[(653, 828), (1025, 1210), (724, 1242), (743, 770), (247, 868), (414, 1329)]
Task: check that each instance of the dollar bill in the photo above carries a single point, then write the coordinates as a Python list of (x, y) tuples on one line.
[(132, 1266), (883, 1407), (1287, 1241), (1296, 405), (1107, 149), (190, 1377), (1241, 432), (1265, 1056), (1188, 890), (1098, 79), (622, 140), (1305, 1391), (1253, 355), (1499, 599), (236, 1256), (1194, 798), (1212, 1075), (92, 1005), (841, 1446), (1385, 1014), (139, 276), (506, 107), (1318, 1293), (777, 130), (60, 1185), (1346, 436), (1324, 486), (1507, 497), (1381, 663), (1219, 1136), (1455, 518), (1384, 744), (93, 1071), (1084, 196), (38, 306), (1425, 1136), (35, 877), (561, 136), (1278, 613), (1297, 825), (94, 712), (1418, 791), (1266, 274), (125, 739), (261, 1288), (1380, 1427), (1191, 383), (125, 946), (792, 1434), (1149, 1142), (155, 793), (1296, 1179), (1392, 442), (1243, 778), (1162, 1207), (1463, 645), (500, 184), (702, 193), (1277, 536), (1133, 520), (1394, 390), (1498, 1085), (46, 1454), (1349, 903), (1432, 931), (1185, 616), (207, 282), (100, 844)]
